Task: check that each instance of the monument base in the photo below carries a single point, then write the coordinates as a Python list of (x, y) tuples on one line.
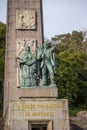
[(39, 92), (39, 114)]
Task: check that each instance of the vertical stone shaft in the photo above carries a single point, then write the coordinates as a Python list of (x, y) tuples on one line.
[(13, 33)]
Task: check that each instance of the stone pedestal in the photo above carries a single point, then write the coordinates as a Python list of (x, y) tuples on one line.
[(40, 92), (53, 112), (25, 113), (38, 106)]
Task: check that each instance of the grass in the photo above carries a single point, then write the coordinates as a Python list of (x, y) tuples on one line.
[(74, 110)]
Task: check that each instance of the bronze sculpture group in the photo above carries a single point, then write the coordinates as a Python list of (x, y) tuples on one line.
[(33, 68)]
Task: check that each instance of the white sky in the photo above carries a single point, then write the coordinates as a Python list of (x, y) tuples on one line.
[(60, 16)]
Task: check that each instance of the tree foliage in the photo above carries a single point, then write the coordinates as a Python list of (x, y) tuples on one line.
[(71, 76), (2, 59), (2, 49)]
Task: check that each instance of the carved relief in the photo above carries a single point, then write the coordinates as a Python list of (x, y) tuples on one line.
[(25, 19), (21, 43)]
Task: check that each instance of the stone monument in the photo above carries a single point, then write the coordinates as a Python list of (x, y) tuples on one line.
[(30, 103)]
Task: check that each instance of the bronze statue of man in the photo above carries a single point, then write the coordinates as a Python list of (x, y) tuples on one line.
[(47, 63)]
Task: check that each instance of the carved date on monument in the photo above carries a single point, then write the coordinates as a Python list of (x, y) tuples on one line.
[(25, 19)]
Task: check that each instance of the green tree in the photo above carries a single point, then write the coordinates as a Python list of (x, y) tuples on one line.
[(71, 76), (2, 49), (2, 59)]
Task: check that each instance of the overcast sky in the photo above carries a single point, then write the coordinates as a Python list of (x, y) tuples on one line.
[(60, 16)]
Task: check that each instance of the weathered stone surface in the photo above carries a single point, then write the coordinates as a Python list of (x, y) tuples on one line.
[(25, 19), (78, 123), (40, 110), (1, 124), (82, 114), (39, 92), (20, 43)]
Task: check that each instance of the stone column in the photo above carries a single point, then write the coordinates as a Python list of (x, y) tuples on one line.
[(24, 25)]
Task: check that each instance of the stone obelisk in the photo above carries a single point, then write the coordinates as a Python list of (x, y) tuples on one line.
[(28, 106), (24, 26)]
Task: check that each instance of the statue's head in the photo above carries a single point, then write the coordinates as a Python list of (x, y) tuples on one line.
[(47, 45), (27, 48)]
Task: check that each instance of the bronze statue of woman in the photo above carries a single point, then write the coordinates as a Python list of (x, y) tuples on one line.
[(27, 63)]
